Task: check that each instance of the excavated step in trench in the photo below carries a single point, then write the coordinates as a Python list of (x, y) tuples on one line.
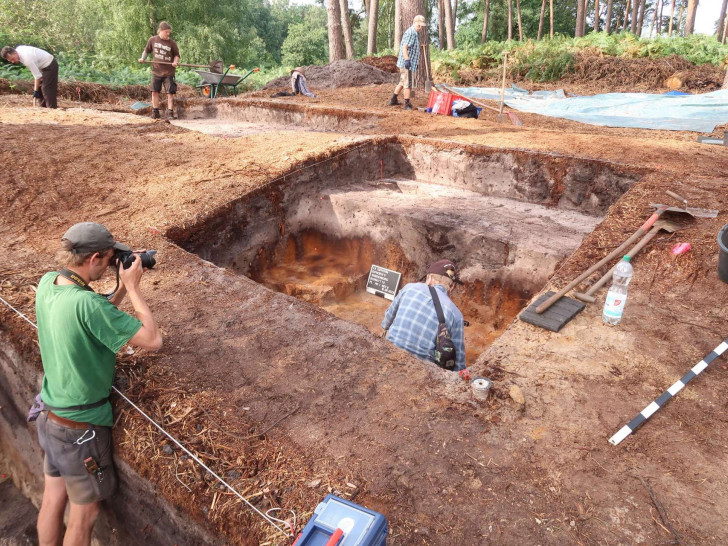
[(233, 118), (507, 218)]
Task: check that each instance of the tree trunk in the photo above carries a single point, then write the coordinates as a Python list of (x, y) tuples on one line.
[(578, 18), (346, 28), (725, 33), (372, 30), (596, 16), (641, 21), (626, 15), (540, 20), (659, 19), (672, 17), (653, 25), (441, 24), (520, 23), (579, 31), (635, 17), (510, 20), (336, 50), (410, 9), (583, 18), (608, 27), (551, 19), (725, 80), (399, 24), (679, 19), (455, 12), (486, 16), (449, 25), (690, 21), (719, 31)]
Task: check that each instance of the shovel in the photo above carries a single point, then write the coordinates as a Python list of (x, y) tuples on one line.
[(692, 211), (501, 117), (668, 226), (426, 58), (214, 66)]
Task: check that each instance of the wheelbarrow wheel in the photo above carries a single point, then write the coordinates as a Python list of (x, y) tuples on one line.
[(206, 91)]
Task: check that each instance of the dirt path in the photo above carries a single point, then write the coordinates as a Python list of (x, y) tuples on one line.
[(291, 403)]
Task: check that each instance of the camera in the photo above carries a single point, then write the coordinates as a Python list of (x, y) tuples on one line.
[(125, 258)]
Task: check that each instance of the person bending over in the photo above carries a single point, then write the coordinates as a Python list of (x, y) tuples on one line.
[(44, 68), (411, 321)]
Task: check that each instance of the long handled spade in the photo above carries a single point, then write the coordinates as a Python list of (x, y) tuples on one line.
[(501, 117), (214, 66), (666, 225)]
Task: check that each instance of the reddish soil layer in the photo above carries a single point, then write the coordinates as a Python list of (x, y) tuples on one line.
[(290, 403)]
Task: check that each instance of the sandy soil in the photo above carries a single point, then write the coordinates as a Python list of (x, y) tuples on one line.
[(290, 402)]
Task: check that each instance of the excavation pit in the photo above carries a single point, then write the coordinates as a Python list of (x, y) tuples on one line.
[(506, 218)]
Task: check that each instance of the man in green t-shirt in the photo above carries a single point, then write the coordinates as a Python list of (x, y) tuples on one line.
[(79, 334)]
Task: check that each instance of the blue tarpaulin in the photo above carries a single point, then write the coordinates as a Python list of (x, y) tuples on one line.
[(700, 113)]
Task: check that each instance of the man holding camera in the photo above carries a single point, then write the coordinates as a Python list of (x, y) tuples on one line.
[(44, 68), (79, 333)]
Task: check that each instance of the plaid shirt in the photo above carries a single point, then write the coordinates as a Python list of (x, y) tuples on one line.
[(412, 322), (411, 39)]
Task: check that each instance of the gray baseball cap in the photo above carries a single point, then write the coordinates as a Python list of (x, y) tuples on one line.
[(91, 237)]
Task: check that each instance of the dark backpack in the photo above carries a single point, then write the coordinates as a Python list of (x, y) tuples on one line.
[(444, 346)]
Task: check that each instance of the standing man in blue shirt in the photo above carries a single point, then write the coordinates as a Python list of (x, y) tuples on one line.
[(411, 321), (409, 57)]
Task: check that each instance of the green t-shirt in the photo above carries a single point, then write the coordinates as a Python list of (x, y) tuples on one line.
[(79, 333)]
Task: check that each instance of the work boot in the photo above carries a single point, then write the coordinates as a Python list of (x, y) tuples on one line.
[(407, 105), (393, 101), (171, 114), (155, 114)]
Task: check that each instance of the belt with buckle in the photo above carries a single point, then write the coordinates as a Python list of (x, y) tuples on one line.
[(57, 419)]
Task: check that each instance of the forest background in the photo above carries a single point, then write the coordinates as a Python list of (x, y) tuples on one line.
[(101, 40)]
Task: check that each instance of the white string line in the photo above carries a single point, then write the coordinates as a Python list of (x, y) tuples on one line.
[(198, 461)]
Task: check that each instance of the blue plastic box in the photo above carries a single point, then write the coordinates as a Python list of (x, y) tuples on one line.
[(361, 526)]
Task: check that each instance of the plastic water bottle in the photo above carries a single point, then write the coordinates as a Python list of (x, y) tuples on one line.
[(617, 295)]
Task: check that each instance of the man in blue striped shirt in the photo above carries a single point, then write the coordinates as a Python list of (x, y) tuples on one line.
[(411, 321), (409, 56)]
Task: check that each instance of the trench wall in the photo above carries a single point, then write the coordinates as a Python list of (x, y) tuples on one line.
[(136, 512), (239, 234), (293, 115)]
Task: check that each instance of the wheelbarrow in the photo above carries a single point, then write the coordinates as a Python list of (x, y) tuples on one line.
[(214, 83)]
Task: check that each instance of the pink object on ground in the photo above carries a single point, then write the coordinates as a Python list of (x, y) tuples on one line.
[(681, 248)]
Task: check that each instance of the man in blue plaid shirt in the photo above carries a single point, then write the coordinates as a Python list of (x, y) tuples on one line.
[(411, 320), (409, 56)]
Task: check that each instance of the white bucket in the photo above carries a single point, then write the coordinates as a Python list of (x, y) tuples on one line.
[(481, 388)]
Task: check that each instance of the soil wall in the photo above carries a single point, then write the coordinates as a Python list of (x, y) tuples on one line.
[(135, 512)]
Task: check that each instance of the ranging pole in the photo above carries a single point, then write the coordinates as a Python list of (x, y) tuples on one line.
[(650, 410)]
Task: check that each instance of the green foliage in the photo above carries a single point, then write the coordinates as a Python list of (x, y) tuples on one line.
[(307, 42), (549, 60)]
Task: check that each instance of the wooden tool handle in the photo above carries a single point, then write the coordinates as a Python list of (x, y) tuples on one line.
[(619, 250), (678, 197), (632, 252), (482, 105)]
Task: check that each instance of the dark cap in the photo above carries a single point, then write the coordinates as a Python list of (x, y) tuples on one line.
[(91, 237), (445, 268)]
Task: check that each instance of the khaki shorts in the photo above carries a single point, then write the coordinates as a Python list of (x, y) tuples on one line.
[(65, 452), (405, 78)]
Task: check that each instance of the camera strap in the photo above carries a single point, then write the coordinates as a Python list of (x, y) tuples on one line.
[(75, 278)]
